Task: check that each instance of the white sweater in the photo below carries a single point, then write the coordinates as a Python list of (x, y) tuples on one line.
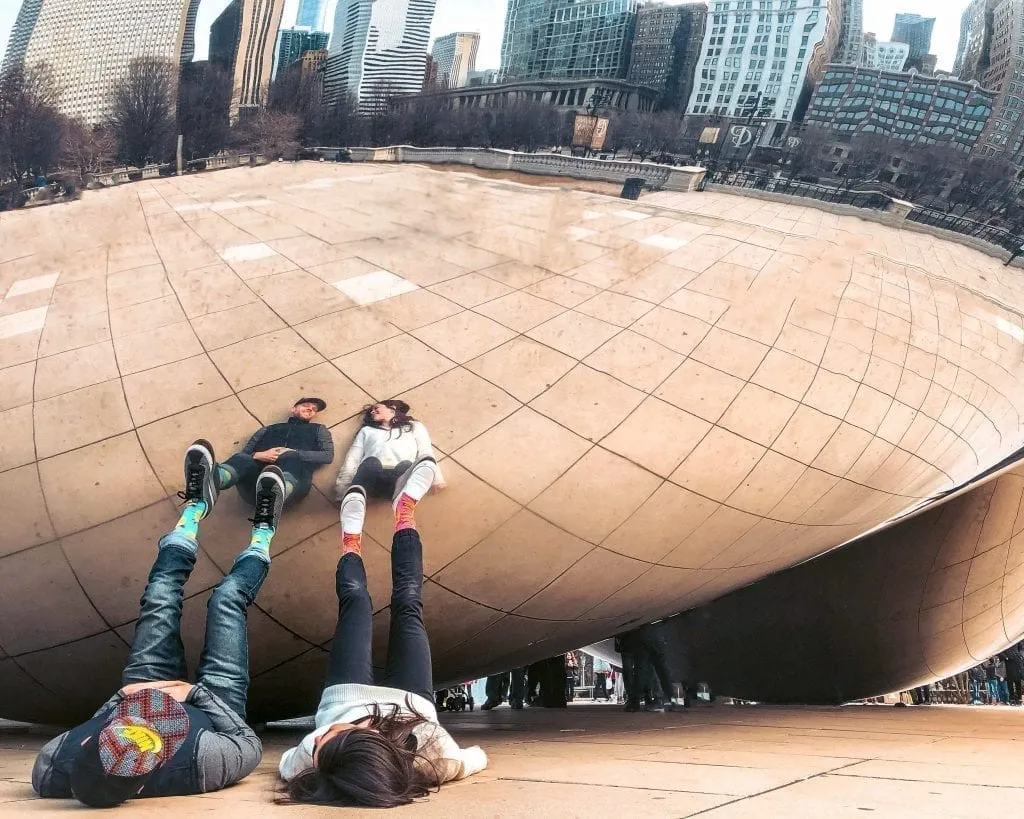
[(390, 446), (350, 703)]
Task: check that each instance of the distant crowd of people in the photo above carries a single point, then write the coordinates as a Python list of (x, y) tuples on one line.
[(998, 680)]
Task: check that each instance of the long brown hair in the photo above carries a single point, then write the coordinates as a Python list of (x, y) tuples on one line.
[(402, 420), (377, 764)]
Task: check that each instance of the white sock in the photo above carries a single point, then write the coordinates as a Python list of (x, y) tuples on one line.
[(420, 481), (353, 512)]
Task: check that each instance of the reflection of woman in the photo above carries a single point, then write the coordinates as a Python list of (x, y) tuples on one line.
[(379, 745), (387, 445)]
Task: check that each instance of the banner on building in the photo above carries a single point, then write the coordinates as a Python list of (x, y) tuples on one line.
[(589, 132), (709, 136)]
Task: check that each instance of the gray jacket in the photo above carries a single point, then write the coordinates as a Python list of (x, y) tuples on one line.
[(212, 758)]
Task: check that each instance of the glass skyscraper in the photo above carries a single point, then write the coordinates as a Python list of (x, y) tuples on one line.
[(567, 39), (311, 13)]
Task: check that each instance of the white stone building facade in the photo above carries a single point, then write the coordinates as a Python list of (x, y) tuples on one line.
[(455, 55), (378, 50), (757, 56)]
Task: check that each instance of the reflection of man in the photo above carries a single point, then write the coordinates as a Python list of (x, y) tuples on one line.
[(160, 735), (297, 446)]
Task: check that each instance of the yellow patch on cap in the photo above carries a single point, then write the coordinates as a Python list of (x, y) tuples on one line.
[(145, 739)]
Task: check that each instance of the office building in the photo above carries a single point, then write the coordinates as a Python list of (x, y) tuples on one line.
[(666, 48), (378, 50), (851, 34), (915, 31), (311, 14), (24, 24), (883, 56), (224, 36), (242, 41), (87, 69), (907, 106), (487, 76), (564, 95), (567, 39), (762, 62), (292, 43), (455, 55), (431, 84)]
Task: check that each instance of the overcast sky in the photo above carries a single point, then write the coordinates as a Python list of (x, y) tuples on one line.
[(488, 16)]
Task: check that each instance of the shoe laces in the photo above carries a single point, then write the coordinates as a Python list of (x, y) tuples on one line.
[(193, 484), (264, 513)]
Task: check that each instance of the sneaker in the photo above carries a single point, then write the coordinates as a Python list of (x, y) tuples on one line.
[(200, 466), (269, 498), (416, 481), (353, 510), (489, 704)]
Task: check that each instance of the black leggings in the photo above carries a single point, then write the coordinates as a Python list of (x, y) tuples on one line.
[(408, 665), (376, 480)]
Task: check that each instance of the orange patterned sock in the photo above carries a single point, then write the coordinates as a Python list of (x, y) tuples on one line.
[(351, 543), (404, 513)]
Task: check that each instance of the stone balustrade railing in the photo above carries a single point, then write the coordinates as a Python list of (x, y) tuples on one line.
[(661, 177), (123, 175)]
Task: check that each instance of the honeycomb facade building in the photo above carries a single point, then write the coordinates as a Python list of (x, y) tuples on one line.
[(89, 45)]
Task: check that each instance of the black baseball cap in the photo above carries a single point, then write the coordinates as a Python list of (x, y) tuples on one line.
[(320, 404)]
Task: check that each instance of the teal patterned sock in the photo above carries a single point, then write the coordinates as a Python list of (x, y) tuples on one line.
[(224, 476), (259, 543), (188, 523)]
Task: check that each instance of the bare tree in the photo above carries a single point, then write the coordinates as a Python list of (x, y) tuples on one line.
[(204, 107), (807, 156), (89, 150), (983, 185), (30, 126), (142, 111), (868, 155), (925, 170), (273, 134), (340, 124), (647, 133)]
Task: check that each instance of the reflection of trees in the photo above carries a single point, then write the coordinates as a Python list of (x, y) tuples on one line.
[(142, 116), (30, 126)]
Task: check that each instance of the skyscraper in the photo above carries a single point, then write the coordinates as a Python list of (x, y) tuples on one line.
[(992, 53), (762, 61), (567, 39), (455, 55), (242, 41), (915, 31), (22, 31), (311, 14), (294, 42), (89, 44), (883, 56), (851, 34), (378, 50), (666, 48)]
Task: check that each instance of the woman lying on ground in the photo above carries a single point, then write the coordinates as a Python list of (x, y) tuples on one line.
[(379, 745), (388, 443)]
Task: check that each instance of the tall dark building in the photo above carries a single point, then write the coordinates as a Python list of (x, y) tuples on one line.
[(916, 32), (666, 48), (22, 32), (294, 42), (225, 34)]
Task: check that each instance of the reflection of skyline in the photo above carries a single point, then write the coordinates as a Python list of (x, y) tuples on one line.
[(487, 17)]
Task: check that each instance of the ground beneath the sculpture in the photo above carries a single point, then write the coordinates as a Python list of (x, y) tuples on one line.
[(715, 761)]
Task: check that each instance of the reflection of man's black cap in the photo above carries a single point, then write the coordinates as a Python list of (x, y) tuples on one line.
[(321, 405)]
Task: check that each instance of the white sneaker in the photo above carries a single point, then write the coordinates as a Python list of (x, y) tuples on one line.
[(353, 511), (417, 480)]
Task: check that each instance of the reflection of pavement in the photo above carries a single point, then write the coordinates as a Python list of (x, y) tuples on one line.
[(644, 405), (717, 761)]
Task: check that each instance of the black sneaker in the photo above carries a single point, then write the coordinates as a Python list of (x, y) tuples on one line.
[(269, 498), (200, 465)]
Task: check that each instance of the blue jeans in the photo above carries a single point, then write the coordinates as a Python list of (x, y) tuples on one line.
[(975, 690), (993, 691), (157, 651), (296, 472), (408, 665)]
